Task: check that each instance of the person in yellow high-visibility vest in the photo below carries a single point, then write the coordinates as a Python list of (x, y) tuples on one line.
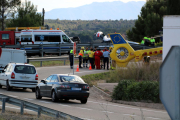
[(71, 59), (81, 53), (91, 58)]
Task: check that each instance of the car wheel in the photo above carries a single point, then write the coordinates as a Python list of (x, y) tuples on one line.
[(54, 97), (38, 96), (24, 88), (8, 87), (83, 101), (33, 90), (0, 86)]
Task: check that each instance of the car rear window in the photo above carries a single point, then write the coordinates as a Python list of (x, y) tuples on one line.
[(25, 69), (71, 79)]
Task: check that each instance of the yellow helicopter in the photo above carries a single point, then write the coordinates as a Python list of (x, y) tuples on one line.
[(122, 52)]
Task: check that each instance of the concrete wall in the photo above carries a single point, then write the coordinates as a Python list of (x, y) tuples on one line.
[(171, 32)]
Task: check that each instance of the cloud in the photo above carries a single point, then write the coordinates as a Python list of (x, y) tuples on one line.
[(53, 4)]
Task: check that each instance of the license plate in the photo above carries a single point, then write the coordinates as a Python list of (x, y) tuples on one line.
[(75, 88)]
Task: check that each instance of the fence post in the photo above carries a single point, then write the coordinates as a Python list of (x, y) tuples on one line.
[(41, 54), (4, 104), (39, 112), (59, 49), (57, 115), (22, 108)]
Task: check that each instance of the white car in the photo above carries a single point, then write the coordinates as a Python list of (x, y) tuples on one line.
[(19, 75)]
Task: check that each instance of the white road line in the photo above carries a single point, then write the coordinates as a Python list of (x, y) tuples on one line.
[(129, 115), (87, 119), (153, 111), (12, 96), (83, 108), (128, 107), (107, 111), (45, 102), (28, 99), (153, 118), (1, 93), (65, 105)]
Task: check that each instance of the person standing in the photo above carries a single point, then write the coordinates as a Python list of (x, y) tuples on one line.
[(71, 58), (106, 58), (81, 53), (85, 58), (91, 58), (97, 56)]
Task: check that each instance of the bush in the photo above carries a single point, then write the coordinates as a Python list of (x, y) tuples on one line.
[(137, 91)]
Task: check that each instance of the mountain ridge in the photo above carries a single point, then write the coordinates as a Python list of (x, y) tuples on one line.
[(98, 10)]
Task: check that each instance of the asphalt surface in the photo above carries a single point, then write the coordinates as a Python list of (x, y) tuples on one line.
[(97, 108)]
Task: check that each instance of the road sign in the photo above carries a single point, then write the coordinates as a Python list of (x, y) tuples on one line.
[(74, 48), (170, 83)]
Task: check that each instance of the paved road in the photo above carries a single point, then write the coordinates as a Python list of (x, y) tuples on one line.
[(97, 108)]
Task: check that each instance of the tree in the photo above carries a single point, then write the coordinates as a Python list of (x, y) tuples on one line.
[(6, 7), (173, 7), (26, 16), (150, 20)]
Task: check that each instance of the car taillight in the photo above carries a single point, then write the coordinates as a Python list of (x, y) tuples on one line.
[(65, 86), (36, 78), (12, 75), (86, 87)]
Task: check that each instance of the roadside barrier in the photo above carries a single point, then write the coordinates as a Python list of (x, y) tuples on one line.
[(34, 107), (90, 68)]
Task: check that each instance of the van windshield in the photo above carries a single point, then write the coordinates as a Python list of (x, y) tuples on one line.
[(65, 38), (25, 69)]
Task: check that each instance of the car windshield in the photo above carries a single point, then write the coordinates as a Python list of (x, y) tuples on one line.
[(71, 79), (25, 69)]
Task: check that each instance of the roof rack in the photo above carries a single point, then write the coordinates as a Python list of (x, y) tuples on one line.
[(23, 28)]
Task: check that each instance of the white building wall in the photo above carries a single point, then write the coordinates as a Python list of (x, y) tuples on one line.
[(171, 32)]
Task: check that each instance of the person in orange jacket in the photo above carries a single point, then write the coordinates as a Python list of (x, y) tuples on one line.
[(97, 56)]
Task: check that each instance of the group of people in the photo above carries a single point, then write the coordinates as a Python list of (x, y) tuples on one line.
[(92, 56), (148, 41)]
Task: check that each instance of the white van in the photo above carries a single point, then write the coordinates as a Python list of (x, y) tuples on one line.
[(44, 37), (12, 56)]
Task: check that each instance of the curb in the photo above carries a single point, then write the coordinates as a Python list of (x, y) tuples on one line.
[(138, 104)]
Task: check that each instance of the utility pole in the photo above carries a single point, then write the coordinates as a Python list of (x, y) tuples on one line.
[(43, 12)]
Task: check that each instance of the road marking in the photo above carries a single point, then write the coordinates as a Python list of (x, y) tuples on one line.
[(87, 119), (153, 118), (107, 111), (65, 105), (12, 96), (28, 99), (128, 107), (1, 93), (84, 108), (45, 102), (129, 115), (153, 111)]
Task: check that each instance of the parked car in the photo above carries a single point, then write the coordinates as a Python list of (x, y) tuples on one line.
[(19, 75), (63, 86)]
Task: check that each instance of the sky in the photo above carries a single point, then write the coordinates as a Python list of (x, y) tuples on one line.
[(53, 4)]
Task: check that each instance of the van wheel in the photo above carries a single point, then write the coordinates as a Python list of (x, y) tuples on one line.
[(8, 87), (54, 97), (38, 96)]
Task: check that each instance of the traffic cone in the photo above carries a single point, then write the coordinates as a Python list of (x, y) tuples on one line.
[(90, 68), (77, 70)]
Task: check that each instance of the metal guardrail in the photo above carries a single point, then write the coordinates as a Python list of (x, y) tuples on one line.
[(41, 59), (34, 107), (64, 48)]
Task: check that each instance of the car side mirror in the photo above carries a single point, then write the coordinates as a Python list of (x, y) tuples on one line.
[(43, 81)]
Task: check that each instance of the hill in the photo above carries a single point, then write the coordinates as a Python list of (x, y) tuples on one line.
[(98, 10)]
